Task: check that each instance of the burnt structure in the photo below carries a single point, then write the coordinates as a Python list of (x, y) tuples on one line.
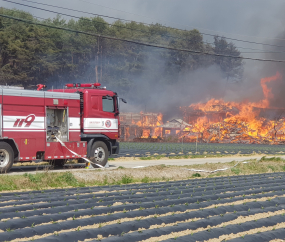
[(174, 127), (224, 124), (140, 125), (216, 113)]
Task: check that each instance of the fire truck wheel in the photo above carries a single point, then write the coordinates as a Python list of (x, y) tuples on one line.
[(6, 157), (101, 154), (57, 163)]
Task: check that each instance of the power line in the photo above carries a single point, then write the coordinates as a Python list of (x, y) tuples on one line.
[(184, 25), (127, 27), (138, 43), (79, 11), (86, 19), (205, 42), (239, 40), (264, 52)]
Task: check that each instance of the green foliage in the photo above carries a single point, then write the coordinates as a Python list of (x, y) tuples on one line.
[(264, 158), (146, 179), (196, 175), (236, 170), (146, 158), (231, 67), (32, 54), (127, 179), (34, 178), (271, 167), (67, 178)]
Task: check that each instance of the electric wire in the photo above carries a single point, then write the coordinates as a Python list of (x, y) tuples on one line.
[(86, 19), (212, 35), (167, 35), (262, 52), (184, 25), (140, 43)]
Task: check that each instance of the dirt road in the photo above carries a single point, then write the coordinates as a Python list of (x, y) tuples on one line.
[(129, 163), (132, 163)]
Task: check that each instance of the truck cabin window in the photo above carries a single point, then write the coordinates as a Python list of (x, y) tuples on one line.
[(108, 104)]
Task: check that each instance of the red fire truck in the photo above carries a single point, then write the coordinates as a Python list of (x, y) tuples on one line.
[(79, 121)]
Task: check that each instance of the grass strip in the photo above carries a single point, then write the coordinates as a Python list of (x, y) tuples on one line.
[(48, 180)]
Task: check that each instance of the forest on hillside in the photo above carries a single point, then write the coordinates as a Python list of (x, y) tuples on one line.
[(32, 54)]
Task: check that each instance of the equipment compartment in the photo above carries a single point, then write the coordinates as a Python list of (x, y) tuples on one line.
[(57, 125)]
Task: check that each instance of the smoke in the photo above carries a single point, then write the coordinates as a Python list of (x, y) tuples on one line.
[(148, 91), (189, 88), (278, 89)]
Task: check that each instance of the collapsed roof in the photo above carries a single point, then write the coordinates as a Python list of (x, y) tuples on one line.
[(175, 124)]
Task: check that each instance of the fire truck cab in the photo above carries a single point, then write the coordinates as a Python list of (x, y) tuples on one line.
[(79, 121)]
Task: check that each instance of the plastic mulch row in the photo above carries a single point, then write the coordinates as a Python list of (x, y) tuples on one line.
[(122, 229), (69, 209), (79, 200), (215, 233), (273, 205), (4, 196)]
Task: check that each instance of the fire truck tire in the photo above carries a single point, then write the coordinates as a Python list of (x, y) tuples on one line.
[(57, 163), (100, 153), (6, 157)]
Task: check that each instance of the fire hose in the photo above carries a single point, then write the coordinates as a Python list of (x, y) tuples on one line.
[(196, 170), (86, 159), (223, 169)]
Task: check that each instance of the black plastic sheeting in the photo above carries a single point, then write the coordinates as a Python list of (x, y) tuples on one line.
[(255, 207), (145, 234), (201, 182), (215, 233), (262, 237), (131, 149), (51, 206), (66, 212), (147, 197), (54, 195)]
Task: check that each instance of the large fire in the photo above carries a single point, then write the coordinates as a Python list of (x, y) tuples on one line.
[(215, 121), (140, 125), (220, 121), (150, 125)]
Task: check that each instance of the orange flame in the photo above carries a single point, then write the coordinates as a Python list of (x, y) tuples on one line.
[(220, 121), (150, 123)]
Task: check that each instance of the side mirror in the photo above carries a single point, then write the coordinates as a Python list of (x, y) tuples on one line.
[(123, 100), (109, 97)]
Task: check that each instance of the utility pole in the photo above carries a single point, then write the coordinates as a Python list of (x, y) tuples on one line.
[(196, 144)]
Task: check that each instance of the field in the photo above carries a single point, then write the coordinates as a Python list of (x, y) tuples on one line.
[(232, 208), (133, 149)]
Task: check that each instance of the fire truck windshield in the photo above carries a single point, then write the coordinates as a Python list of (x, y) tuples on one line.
[(108, 104)]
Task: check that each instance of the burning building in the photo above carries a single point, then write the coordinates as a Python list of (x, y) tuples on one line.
[(174, 127), (232, 122), (140, 126), (214, 121)]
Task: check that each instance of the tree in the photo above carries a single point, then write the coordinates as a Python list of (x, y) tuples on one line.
[(231, 67), (32, 54)]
